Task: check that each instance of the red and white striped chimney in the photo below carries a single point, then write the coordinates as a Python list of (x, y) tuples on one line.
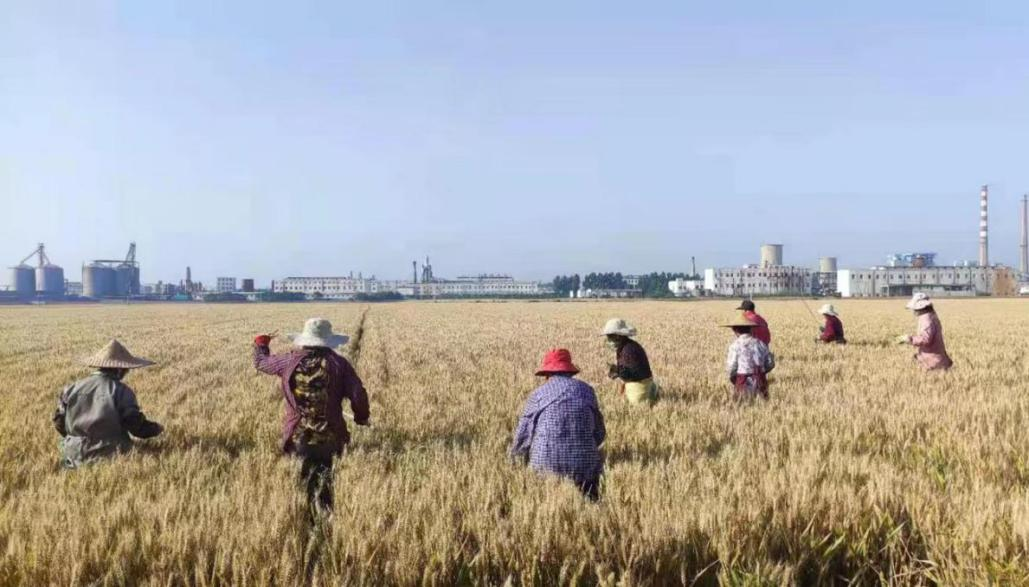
[(984, 235)]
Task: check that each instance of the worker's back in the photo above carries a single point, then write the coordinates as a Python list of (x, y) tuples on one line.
[(93, 409)]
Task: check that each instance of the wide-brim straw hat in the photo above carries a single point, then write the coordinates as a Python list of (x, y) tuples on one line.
[(919, 301), (618, 326), (557, 361), (116, 356), (741, 321), (318, 332), (828, 309)]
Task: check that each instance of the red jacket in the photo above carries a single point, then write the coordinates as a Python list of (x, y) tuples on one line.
[(833, 331), (762, 332)]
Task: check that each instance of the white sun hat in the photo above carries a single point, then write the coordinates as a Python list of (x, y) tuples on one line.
[(318, 332), (919, 301), (828, 309), (618, 326), (116, 356)]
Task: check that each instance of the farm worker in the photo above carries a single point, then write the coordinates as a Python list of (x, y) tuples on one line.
[(96, 415), (561, 428), (315, 380), (832, 332), (749, 361), (761, 331), (631, 363), (932, 352)]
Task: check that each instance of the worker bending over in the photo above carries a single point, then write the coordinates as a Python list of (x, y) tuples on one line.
[(928, 339), (761, 331), (748, 361), (832, 332), (631, 363), (95, 416), (315, 380), (561, 428)]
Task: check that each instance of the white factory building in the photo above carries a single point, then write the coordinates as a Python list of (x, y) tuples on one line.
[(225, 284), (347, 287), (935, 281), (769, 278)]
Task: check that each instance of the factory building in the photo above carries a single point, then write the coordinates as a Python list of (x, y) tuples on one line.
[(248, 285), (935, 281), (225, 284), (682, 288), (907, 273), (428, 287), (769, 278)]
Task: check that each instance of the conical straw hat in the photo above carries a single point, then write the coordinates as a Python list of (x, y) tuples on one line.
[(116, 356), (740, 321)]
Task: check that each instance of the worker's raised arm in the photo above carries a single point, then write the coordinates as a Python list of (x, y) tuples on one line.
[(265, 361), (353, 389)]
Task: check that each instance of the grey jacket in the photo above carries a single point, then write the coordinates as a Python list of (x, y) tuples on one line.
[(95, 416)]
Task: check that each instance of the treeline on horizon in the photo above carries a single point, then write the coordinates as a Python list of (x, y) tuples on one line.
[(652, 285)]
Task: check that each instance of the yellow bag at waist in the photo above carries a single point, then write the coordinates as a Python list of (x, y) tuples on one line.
[(641, 392)]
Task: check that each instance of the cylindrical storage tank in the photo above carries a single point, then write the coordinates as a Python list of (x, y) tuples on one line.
[(50, 280), (135, 287), (248, 285), (827, 265), (123, 277), (23, 281), (97, 281), (771, 255)]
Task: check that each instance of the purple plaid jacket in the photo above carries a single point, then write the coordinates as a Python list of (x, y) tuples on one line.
[(561, 430)]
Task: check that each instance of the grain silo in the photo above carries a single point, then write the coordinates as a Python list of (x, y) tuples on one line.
[(126, 280), (50, 280), (23, 281), (771, 255), (98, 281)]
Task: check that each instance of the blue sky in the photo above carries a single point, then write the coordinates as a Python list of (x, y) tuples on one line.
[(270, 139)]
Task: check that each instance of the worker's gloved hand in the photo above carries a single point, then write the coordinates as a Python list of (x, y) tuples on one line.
[(262, 340)]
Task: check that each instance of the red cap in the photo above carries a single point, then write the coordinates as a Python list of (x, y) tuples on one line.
[(557, 361)]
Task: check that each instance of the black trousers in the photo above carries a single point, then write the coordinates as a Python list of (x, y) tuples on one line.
[(591, 489), (316, 476)]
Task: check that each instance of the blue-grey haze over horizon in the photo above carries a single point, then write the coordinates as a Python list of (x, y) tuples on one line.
[(257, 139)]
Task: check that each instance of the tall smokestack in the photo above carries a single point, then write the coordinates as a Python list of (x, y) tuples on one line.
[(984, 235), (1025, 235), (414, 266)]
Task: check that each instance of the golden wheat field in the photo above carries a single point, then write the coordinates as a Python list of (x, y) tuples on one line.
[(859, 468)]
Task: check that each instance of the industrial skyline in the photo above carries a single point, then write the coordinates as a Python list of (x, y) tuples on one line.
[(530, 139)]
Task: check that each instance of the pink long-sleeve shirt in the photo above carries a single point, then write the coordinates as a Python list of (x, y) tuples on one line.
[(932, 352)]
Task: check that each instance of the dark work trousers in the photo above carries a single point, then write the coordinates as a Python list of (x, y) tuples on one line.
[(591, 489), (316, 476)]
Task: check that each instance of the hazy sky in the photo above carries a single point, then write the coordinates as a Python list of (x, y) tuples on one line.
[(269, 139)]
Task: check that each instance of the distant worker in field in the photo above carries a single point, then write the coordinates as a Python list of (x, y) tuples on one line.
[(832, 332), (761, 331), (631, 365), (561, 428), (315, 380), (95, 416), (932, 352), (748, 362)]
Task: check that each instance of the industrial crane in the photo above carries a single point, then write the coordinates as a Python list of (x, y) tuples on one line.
[(43, 259)]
